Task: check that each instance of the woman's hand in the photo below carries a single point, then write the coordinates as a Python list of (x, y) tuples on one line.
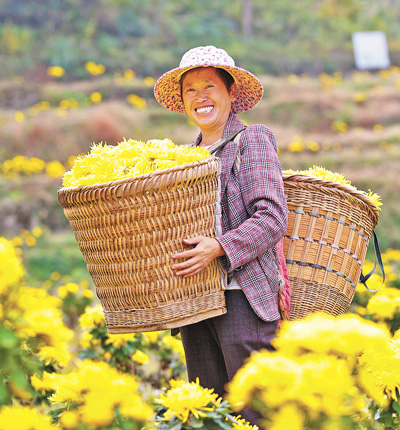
[(199, 257)]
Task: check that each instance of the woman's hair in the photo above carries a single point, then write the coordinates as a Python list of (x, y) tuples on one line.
[(225, 76)]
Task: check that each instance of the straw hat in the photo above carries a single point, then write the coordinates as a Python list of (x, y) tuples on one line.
[(167, 89)]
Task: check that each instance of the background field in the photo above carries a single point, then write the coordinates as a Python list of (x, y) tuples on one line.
[(78, 72)]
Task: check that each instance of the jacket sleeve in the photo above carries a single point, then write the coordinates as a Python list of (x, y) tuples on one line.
[(261, 187)]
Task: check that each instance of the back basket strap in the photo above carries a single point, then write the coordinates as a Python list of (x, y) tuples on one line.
[(222, 142), (364, 279)]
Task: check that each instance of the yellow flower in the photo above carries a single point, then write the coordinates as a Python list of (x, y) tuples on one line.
[(128, 159), (120, 340), (51, 355), (129, 74), (56, 71), (319, 382), (359, 97), (381, 367), (86, 341), (322, 173), (296, 146), (99, 388), (243, 425), (69, 419), (378, 128), (19, 116), (88, 294), (385, 305), (347, 335), (287, 417), (47, 382), (340, 126), (11, 269), (149, 81), (140, 357), (176, 345), (188, 398), (96, 97), (55, 169), (95, 69), (37, 231), (151, 336), (24, 418), (93, 317)]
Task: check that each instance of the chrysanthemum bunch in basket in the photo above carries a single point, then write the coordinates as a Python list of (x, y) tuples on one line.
[(129, 158), (322, 173)]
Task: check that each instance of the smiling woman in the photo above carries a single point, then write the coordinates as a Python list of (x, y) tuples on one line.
[(207, 102), (210, 89)]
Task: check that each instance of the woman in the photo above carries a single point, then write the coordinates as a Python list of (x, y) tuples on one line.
[(211, 90)]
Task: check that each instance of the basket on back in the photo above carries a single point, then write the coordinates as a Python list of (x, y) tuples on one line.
[(127, 231), (325, 243)]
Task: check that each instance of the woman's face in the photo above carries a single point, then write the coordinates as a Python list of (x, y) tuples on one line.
[(206, 98)]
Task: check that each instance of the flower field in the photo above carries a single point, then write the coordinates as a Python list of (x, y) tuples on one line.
[(59, 367)]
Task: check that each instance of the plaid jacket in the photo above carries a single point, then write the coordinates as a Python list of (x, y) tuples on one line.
[(254, 214)]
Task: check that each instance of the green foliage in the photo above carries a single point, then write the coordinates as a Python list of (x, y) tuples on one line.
[(151, 36)]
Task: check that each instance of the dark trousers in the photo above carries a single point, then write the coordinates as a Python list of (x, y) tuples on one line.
[(216, 348)]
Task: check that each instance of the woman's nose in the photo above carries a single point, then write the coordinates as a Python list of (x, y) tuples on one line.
[(201, 95)]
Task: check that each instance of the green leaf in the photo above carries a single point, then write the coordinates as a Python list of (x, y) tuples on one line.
[(8, 339), (196, 423), (396, 407)]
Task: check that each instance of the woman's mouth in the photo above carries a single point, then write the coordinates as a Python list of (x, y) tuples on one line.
[(204, 110)]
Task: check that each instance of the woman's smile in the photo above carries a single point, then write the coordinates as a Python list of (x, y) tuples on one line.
[(204, 110)]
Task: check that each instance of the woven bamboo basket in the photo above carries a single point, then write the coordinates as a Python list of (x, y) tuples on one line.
[(325, 244), (127, 231)]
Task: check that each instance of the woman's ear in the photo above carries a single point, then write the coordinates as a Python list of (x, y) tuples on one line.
[(232, 91)]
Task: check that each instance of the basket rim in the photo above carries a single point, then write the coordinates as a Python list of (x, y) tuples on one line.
[(138, 177), (335, 187)]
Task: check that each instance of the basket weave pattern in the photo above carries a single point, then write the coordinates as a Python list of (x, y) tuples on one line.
[(325, 243), (127, 231)]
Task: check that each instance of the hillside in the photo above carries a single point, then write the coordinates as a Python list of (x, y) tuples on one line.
[(347, 124)]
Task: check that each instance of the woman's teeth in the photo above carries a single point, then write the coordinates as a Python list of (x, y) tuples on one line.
[(204, 109)]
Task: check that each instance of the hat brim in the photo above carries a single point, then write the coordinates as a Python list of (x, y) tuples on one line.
[(167, 89)]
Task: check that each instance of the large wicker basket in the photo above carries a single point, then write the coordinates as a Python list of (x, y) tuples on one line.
[(127, 231), (325, 243)]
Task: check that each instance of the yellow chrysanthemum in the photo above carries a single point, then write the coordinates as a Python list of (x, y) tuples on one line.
[(243, 425), (93, 317), (47, 382), (151, 336), (347, 335), (176, 345), (188, 398), (287, 417), (322, 173), (11, 269), (127, 159), (382, 371), (69, 419), (120, 340), (99, 388), (319, 382), (24, 418), (140, 357), (55, 355), (385, 305)]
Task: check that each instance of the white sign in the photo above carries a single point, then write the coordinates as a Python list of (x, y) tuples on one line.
[(370, 50)]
